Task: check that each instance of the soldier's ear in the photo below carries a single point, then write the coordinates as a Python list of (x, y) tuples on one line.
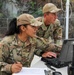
[(45, 15), (23, 28)]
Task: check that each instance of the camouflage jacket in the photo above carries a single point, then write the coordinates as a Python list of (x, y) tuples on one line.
[(11, 48), (52, 32)]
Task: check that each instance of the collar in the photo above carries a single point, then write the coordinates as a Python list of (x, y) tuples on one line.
[(43, 26), (21, 43)]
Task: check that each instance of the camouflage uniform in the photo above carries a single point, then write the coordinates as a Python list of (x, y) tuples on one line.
[(11, 48), (52, 32)]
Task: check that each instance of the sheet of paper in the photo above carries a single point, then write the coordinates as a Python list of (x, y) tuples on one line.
[(31, 71)]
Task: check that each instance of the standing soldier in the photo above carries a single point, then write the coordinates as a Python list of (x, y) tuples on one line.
[(50, 29)]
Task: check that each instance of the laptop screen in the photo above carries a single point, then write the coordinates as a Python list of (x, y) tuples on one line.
[(67, 50)]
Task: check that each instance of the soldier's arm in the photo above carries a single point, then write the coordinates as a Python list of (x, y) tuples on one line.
[(4, 53), (58, 37), (58, 33), (41, 46)]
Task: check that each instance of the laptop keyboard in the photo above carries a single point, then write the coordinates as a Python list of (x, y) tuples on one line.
[(54, 62), (51, 60)]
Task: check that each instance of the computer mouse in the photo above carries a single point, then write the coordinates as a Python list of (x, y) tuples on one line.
[(56, 73), (45, 59)]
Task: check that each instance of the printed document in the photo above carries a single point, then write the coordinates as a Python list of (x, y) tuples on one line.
[(31, 71)]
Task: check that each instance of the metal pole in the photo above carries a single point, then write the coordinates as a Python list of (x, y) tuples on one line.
[(67, 19)]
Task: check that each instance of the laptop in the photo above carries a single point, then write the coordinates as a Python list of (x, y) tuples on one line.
[(65, 56)]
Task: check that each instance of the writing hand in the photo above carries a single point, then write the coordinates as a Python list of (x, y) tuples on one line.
[(16, 67)]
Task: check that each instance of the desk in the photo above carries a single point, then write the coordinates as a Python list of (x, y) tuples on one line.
[(41, 64)]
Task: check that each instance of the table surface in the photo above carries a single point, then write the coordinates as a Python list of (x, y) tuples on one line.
[(41, 64)]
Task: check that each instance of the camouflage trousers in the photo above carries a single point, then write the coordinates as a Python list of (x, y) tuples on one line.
[(4, 73)]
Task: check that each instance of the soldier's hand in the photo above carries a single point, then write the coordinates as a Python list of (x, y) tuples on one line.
[(16, 67), (49, 54)]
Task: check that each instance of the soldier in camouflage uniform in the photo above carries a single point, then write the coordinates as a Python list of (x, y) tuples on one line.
[(51, 28), (18, 47)]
